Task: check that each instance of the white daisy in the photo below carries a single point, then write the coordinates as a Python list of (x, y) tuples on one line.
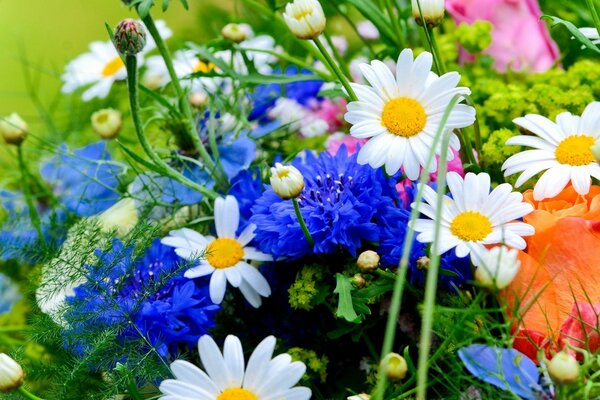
[(227, 376), (224, 257), (401, 114), (563, 149), (101, 67), (474, 217)]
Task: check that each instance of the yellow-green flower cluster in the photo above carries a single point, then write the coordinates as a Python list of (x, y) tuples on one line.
[(316, 367), (305, 287), (475, 37)]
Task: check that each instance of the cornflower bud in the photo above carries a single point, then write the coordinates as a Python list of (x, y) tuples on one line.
[(130, 37)]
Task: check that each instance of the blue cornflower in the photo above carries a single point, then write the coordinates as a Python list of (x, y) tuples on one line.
[(265, 96), (9, 294), (86, 180), (246, 187), (338, 204), (165, 307)]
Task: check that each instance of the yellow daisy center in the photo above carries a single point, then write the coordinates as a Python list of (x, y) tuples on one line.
[(471, 226), (237, 394), (404, 117), (112, 67), (224, 253), (575, 150), (204, 67)]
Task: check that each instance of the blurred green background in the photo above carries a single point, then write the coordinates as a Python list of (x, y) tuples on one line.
[(38, 38)]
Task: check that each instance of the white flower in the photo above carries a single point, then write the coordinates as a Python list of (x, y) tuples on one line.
[(591, 33), (305, 18), (289, 112), (286, 181), (313, 126), (13, 129), (497, 267), (563, 149), (224, 257), (102, 66), (367, 30), (11, 374), (228, 377), (432, 10), (474, 217), (401, 114)]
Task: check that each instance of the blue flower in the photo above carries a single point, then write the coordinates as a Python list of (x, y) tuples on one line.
[(9, 294), (165, 307), (86, 180), (246, 187), (236, 153), (265, 96), (338, 204)]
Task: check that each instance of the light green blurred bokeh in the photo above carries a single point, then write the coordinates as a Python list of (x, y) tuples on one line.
[(49, 33)]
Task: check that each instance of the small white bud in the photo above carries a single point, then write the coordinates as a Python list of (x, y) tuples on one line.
[(234, 33), (497, 267), (286, 181), (394, 366), (13, 129), (305, 18), (362, 396), (563, 368), (11, 374), (122, 216), (198, 99), (107, 123), (368, 261), (433, 11)]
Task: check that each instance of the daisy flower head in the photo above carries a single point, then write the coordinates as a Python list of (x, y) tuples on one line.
[(228, 377), (474, 216), (224, 257), (400, 115), (102, 66), (561, 148)]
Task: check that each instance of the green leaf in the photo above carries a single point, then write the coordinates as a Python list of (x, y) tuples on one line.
[(185, 4), (165, 5), (345, 309), (587, 43), (139, 159), (144, 8)]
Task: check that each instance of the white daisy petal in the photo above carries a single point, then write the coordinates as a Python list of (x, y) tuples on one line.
[(581, 180), (255, 279), (213, 362), (189, 373), (258, 363), (234, 360), (200, 270), (217, 286)]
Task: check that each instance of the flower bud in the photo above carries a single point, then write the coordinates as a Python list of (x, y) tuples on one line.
[(130, 37), (368, 261), (563, 368), (596, 150), (11, 374), (305, 18), (286, 181), (394, 366), (234, 33), (198, 99), (497, 267), (107, 123), (423, 263), (432, 10), (122, 217), (359, 281), (13, 129), (362, 396)]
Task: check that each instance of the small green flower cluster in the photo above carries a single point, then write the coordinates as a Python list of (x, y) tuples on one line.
[(306, 287), (316, 367)]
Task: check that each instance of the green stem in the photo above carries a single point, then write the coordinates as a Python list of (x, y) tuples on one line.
[(291, 59), (476, 128), (432, 276), (437, 54), (309, 238), (27, 394), (337, 56), (33, 214), (592, 7), (9, 329), (184, 103), (395, 23), (336, 69), (132, 78), (396, 302), (467, 148)]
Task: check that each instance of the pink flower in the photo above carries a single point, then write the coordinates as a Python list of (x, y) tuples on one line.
[(520, 41), (335, 141), (330, 111)]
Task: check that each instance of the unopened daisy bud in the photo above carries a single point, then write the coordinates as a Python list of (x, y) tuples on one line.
[(596, 150), (394, 366), (234, 32), (563, 368), (359, 281), (11, 374), (198, 99), (497, 267), (432, 10), (305, 18), (362, 396), (13, 129), (130, 37), (107, 123), (368, 261), (286, 181), (122, 217)]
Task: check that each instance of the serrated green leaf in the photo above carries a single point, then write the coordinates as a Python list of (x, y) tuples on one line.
[(343, 289), (573, 30)]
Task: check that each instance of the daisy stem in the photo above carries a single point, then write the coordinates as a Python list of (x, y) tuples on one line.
[(336, 69), (184, 103), (134, 102), (592, 7), (467, 148), (309, 238), (396, 302), (33, 214), (27, 394), (435, 50)]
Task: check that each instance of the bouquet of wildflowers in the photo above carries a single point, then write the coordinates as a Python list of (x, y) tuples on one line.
[(345, 199)]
